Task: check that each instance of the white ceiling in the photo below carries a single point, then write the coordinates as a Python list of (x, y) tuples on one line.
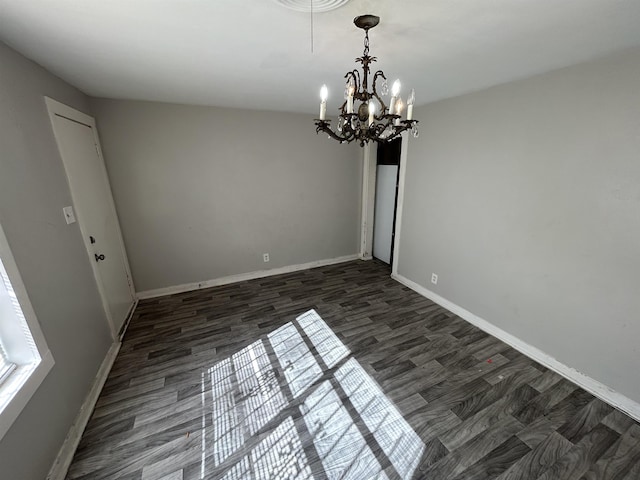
[(257, 54)]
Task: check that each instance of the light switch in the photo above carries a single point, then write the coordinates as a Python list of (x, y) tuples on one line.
[(69, 216)]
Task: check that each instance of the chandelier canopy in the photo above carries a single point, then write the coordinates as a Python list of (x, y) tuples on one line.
[(372, 120)]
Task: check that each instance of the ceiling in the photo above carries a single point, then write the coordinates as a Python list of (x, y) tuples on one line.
[(257, 54)]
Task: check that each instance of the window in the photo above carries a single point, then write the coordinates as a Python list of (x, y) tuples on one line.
[(25, 358)]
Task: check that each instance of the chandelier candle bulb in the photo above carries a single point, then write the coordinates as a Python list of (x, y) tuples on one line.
[(324, 93), (350, 91), (372, 110), (395, 90), (410, 101), (399, 108)]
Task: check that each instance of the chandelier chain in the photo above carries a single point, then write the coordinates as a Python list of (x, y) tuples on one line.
[(366, 42)]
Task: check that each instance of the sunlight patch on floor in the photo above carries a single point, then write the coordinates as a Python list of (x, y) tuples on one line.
[(300, 368), (279, 456), (342, 448), (397, 439), (341, 415), (327, 343), (260, 392)]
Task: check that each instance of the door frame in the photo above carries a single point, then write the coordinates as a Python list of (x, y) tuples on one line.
[(397, 229), (57, 109), (368, 202), (395, 197)]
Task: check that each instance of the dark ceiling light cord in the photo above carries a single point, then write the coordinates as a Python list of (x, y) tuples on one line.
[(311, 10), (373, 120)]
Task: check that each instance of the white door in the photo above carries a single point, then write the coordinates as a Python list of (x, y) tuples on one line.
[(385, 207), (94, 208)]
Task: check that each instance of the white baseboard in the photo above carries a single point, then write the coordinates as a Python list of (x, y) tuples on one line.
[(127, 321), (604, 393), (187, 287), (65, 455)]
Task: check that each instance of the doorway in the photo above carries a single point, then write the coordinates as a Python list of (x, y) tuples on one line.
[(386, 199), (79, 147)]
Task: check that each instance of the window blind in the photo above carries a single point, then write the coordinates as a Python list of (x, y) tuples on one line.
[(6, 367)]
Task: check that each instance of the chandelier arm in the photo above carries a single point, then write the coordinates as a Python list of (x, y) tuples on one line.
[(405, 125), (352, 74), (369, 133), (325, 126), (356, 77), (364, 135), (377, 128), (348, 126), (377, 75)]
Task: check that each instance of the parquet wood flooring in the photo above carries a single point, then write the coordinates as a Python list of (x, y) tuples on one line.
[(338, 372)]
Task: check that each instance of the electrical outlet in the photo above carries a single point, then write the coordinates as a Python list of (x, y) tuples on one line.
[(434, 278), (69, 216), (265, 257)]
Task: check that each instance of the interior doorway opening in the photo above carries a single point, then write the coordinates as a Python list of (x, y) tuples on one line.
[(386, 199)]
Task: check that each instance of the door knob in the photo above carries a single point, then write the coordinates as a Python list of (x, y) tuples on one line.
[(99, 257)]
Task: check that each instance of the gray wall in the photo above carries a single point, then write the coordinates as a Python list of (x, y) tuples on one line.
[(203, 192), (525, 199), (52, 261)]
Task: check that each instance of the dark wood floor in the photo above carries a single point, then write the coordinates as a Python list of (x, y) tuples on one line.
[(338, 372)]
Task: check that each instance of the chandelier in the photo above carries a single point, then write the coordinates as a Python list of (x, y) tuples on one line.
[(372, 120)]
